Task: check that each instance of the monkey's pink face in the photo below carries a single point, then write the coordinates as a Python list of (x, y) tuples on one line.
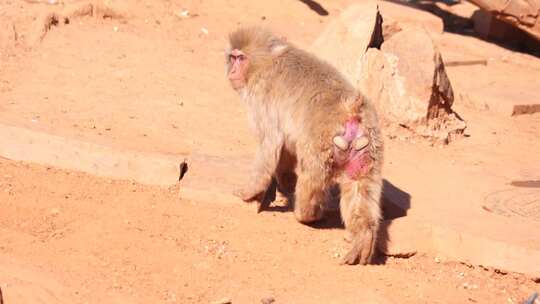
[(238, 65)]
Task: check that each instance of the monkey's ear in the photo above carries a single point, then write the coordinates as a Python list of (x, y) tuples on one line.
[(277, 47)]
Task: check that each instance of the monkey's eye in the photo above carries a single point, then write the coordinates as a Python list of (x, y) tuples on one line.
[(234, 58)]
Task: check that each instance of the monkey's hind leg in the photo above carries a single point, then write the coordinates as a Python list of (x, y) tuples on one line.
[(361, 214), (310, 195)]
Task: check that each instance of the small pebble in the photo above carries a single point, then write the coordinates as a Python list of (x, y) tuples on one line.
[(268, 300), (183, 14), (223, 301)]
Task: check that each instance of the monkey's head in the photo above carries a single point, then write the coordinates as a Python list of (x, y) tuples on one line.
[(250, 50)]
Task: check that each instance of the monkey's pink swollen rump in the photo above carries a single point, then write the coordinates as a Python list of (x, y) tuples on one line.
[(355, 163), (351, 130), (358, 164)]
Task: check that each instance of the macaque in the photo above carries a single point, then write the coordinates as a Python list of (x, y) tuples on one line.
[(314, 130)]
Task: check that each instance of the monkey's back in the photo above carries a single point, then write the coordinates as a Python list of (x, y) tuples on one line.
[(314, 93), (307, 72)]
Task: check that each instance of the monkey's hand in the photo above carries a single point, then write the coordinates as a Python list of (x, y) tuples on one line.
[(264, 167), (362, 250), (252, 192)]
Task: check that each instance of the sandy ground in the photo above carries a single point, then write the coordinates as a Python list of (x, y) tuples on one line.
[(72, 238), (154, 82)]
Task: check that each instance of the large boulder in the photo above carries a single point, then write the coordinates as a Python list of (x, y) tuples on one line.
[(408, 82), (404, 76), (349, 36)]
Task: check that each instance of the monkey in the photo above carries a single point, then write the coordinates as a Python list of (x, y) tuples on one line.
[(314, 130)]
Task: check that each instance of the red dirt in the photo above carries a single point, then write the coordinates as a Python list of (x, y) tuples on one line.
[(71, 238), (154, 82)]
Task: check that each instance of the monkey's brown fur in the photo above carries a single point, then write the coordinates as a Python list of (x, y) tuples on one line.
[(297, 104)]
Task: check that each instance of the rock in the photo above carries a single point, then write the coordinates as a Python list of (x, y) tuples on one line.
[(521, 14), (390, 28), (404, 237), (407, 81), (223, 301), (420, 64), (348, 37), (525, 109), (26, 145), (62, 15), (268, 300), (407, 16), (487, 26)]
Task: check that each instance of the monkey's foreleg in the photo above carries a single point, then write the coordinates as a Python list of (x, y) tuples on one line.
[(285, 173), (361, 214), (264, 167), (253, 191)]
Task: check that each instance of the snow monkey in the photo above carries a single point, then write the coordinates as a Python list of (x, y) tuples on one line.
[(314, 130)]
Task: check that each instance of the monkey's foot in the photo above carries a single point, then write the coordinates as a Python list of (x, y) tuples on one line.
[(362, 251), (309, 214)]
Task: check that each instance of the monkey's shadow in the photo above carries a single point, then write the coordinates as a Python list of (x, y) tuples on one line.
[(394, 204)]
